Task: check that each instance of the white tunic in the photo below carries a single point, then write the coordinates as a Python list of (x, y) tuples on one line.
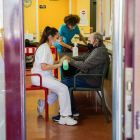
[(44, 55)]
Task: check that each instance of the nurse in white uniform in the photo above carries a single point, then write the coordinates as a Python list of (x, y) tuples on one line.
[(43, 64)]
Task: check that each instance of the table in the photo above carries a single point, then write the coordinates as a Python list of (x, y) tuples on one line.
[(86, 36)]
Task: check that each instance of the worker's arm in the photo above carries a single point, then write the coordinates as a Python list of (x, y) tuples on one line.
[(84, 40), (64, 44)]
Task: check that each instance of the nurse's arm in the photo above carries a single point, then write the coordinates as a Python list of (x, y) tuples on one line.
[(84, 40), (64, 44), (45, 66), (56, 62)]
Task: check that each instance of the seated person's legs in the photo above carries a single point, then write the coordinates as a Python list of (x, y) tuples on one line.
[(64, 99), (69, 82)]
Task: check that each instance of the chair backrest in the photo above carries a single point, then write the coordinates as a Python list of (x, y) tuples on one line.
[(105, 70), (31, 50)]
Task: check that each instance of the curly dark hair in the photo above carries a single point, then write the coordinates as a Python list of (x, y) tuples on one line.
[(72, 20)]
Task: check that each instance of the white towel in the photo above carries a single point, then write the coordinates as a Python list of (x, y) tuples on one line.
[(52, 98)]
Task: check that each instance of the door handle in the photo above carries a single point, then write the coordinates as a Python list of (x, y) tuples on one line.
[(137, 120)]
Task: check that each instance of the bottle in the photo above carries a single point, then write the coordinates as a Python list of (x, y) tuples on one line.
[(65, 64), (82, 31), (75, 49)]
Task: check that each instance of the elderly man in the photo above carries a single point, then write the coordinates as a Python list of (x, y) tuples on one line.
[(91, 62)]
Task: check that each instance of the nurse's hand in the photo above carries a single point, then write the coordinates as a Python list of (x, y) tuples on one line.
[(71, 48), (62, 59)]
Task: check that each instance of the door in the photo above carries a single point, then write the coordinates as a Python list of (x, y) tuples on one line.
[(14, 69), (93, 14), (132, 80), (128, 98), (2, 79), (136, 72)]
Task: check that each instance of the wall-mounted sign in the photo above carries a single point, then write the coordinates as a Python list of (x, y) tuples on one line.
[(83, 16), (42, 6)]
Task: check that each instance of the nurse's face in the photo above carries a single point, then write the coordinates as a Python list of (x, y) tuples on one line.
[(55, 40), (71, 27), (56, 37)]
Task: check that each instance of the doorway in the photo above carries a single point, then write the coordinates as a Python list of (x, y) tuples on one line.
[(93, 15)]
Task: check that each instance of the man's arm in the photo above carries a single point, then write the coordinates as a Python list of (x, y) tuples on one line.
[(93, 60), (79, 58)]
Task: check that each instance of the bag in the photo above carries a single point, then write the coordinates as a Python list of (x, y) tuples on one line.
[(30, 44)]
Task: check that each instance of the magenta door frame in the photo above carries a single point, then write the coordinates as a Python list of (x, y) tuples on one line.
[(132, 56), (129, 32), (136, 73), (129, 39), (14, 69)]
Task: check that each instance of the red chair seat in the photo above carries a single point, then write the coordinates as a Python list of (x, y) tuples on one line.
[(29, 86)]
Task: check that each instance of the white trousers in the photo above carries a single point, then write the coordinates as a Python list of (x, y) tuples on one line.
[(51, 98), (58, 88)]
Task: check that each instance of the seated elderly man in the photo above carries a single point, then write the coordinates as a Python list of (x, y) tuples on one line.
[(91, 62)]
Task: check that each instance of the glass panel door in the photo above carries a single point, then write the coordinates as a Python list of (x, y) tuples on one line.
[(2, 79)]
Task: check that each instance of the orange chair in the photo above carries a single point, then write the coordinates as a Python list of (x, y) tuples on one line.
[(29, 86)]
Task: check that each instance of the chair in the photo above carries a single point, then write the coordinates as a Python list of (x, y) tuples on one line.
[(103, 75), (31, 50), (29, 86)]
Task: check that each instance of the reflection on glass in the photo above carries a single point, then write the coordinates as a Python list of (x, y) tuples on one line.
[(2, 80)]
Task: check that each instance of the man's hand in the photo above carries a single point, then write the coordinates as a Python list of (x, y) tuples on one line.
[(68, 58)]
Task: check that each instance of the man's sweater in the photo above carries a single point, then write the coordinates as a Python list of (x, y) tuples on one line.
[(91, 63)]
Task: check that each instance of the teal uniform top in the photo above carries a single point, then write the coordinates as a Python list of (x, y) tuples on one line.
[(67, 35)]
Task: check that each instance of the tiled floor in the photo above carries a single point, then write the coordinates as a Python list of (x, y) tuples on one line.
[(91, 122)]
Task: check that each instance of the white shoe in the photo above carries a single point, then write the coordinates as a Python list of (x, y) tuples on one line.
[(41, 102), (41, 106), (67, 121)]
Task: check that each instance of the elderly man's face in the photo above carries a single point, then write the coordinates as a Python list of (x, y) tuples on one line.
[(92, 41)]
